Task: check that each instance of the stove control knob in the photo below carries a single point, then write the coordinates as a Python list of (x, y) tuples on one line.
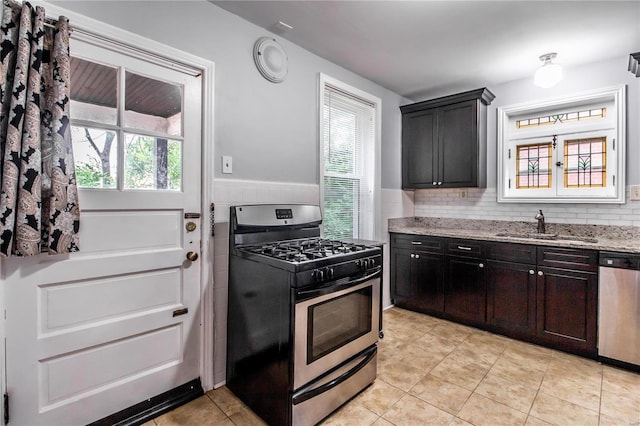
[(318, 275), (329, 273), (361, 264), (372, 263)]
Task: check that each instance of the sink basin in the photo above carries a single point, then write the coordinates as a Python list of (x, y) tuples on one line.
[(552, 237)]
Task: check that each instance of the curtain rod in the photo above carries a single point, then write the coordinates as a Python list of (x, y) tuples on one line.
[(51, 23)]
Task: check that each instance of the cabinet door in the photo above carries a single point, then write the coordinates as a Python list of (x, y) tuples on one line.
[(419, 136), (427, 273), (511, 297), (465, 294), (458, 144), (402, 291), (567, 309)]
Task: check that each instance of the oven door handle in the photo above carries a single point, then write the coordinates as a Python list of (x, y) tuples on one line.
[(312, 391), (336, 286)]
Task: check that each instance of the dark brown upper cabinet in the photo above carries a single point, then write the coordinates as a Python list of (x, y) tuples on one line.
[(444, 141)]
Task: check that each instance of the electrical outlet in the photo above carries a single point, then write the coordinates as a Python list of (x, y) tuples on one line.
[(634, 192), (463, 193), (227, 164)]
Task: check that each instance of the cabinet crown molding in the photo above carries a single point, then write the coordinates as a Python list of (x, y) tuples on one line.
[(483, 94)]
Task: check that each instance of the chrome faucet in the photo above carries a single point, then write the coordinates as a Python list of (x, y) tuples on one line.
[(540, 218)]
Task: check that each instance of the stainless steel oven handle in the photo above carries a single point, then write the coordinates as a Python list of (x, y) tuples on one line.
[(337, 285), (312, 391)]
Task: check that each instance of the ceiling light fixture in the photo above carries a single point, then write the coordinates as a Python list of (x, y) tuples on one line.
[(549, 74)]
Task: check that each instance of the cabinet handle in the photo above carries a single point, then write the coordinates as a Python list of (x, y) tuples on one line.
[(413, 255), (416, 243), (481, 265), (540, 273), (417, 256), (439, 183), (464, 248), (531, 272), (434, 183)]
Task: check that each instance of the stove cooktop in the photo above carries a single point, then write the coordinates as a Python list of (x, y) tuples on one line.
[(307, 249)]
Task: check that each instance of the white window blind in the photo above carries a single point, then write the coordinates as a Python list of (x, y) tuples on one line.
[(348, 144)]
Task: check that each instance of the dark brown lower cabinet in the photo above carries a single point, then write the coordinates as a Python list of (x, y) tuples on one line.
[(465, 294), (428, 274), (567, 310), (403, 293), (511, 298), (417, 280)]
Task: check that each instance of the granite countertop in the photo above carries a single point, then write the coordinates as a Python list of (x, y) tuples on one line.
[(595, 237), (374, 243)]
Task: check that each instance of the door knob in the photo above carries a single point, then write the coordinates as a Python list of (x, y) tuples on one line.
[(192, 256)]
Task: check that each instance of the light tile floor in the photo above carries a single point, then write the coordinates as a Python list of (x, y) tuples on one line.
[(435, 372)]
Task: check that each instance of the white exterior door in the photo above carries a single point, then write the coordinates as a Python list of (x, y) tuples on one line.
[(94, 332)]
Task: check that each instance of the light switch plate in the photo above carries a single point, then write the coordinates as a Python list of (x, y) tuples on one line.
[(634, 192), (227, 164)]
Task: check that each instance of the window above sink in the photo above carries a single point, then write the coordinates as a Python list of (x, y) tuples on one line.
[(569, 149)]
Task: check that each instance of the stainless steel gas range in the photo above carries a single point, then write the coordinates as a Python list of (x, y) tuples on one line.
[(303, 314)]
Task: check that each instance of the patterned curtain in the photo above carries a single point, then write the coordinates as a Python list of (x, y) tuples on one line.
[(39, 210)]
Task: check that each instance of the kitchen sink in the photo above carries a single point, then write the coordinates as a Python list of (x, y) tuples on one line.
[(552, 237)]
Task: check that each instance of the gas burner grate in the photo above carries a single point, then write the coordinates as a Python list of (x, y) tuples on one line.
[(305, 249)]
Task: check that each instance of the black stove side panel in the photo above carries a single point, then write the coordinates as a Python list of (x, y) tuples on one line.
[(259, 338)]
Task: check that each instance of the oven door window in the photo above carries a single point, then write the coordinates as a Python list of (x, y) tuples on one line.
[(336, 322)]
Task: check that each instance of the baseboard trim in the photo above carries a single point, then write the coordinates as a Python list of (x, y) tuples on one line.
[(154, 407)]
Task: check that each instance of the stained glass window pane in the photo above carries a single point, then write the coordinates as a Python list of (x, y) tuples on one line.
[(562, 117), (585, 163), (533, 166)]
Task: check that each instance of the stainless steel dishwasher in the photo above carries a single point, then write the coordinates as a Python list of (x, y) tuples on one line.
[(619, 307)]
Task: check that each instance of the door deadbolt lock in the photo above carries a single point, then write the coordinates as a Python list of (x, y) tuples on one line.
[(192, 256), (190, 226)]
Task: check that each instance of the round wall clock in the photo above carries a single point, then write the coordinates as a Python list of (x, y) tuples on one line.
[(271, 59)]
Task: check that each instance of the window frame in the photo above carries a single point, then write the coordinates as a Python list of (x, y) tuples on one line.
[(613, 126), (371, 213)]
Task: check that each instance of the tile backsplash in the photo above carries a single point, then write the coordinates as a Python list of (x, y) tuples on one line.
[(480, 203)]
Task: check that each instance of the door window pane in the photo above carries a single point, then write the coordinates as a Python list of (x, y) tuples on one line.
[(94, 91), (152, 163), (95, 152), (152, 105)]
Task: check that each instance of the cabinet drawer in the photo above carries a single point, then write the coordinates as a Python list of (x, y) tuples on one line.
[(417, 243), (508, 252), (471, 248), (567, 258)]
